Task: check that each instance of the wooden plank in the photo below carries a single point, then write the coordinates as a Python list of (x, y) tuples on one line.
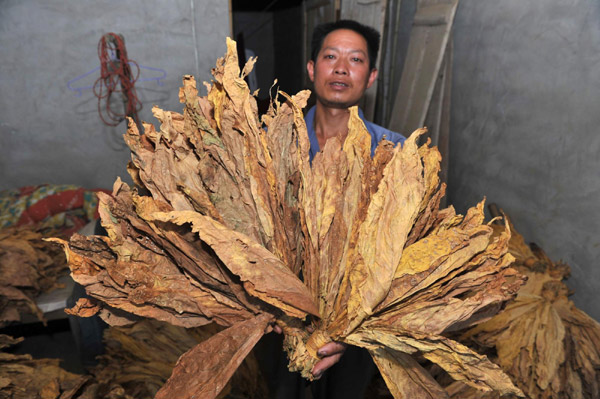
[(231, 34), (387, 56), (444, 137), (370, 13), (316, 12), (312, 5), (438, 115), (429, 38), (434, 113)]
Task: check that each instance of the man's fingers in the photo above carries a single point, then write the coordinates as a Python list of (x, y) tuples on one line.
[(331, 348), (277, 329), (324, 364), (331, 353)]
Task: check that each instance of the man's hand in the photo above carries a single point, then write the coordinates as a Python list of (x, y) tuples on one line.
[(330, 354)]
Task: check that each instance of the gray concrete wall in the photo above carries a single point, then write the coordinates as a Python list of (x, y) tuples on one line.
[(525, 128), (47, 133)]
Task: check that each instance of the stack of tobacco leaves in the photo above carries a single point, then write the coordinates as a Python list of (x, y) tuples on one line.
[(28, 267), (549, 348), (22, 377), (235, 213), (141, 357)]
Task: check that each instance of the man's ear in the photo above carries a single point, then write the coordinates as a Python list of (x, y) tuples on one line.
[(372, 77), (310, 68)]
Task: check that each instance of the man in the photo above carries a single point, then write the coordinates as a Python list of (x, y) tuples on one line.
[(342, 67)]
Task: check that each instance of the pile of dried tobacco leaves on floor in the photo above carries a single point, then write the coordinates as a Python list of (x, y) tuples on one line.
[(138, 359), (22, 377), (548, 347), (28, 266), (228, 213)]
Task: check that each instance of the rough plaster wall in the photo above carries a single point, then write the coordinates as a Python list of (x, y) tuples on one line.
[(47, 133), (526, 123)]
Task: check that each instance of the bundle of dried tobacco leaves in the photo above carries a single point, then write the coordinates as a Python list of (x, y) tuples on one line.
[(235, 213), (28, 267), (550, 348), (141, 357)]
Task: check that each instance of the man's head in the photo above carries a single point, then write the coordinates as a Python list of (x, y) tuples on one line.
[(342, 64), (371, 36)]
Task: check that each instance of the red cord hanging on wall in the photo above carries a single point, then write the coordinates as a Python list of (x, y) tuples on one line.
[(116, 77)]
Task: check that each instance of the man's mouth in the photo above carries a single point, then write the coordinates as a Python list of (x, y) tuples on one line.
[(338, 84)]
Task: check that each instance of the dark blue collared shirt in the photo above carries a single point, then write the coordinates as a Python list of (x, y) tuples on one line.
[(377, 133)]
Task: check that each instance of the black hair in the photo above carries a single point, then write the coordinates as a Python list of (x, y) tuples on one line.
[(371, 36)]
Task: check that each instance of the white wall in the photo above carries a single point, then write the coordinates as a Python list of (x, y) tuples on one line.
[(47, 133), (526, 125)]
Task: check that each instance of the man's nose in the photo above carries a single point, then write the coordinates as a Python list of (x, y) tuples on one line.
[(341, 68)]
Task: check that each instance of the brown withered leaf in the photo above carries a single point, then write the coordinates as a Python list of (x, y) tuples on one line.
[(544, 343), (236, 212), (84, 307), (460, 390), (200, 372)]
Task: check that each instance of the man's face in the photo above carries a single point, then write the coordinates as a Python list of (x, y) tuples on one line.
[(341, 73)]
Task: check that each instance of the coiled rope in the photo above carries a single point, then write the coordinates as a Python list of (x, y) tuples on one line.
[(116, 77)]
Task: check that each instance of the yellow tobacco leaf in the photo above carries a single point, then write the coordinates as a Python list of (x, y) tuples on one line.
[(430, 203), (460, 362), (404, 377), (432, 258), (383, 234), (351, 202), (532, 325)]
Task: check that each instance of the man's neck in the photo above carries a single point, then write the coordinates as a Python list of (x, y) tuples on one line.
[(330, 122)]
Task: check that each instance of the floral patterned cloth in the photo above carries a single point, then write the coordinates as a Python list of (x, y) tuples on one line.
[(61, 208)]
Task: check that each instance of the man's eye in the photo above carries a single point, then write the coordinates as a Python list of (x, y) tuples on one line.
[(329, 57), (356, 59)]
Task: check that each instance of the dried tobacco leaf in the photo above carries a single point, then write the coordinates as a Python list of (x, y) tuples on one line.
[(236, 213), (544, 343), (463, 391), (200, 372)]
